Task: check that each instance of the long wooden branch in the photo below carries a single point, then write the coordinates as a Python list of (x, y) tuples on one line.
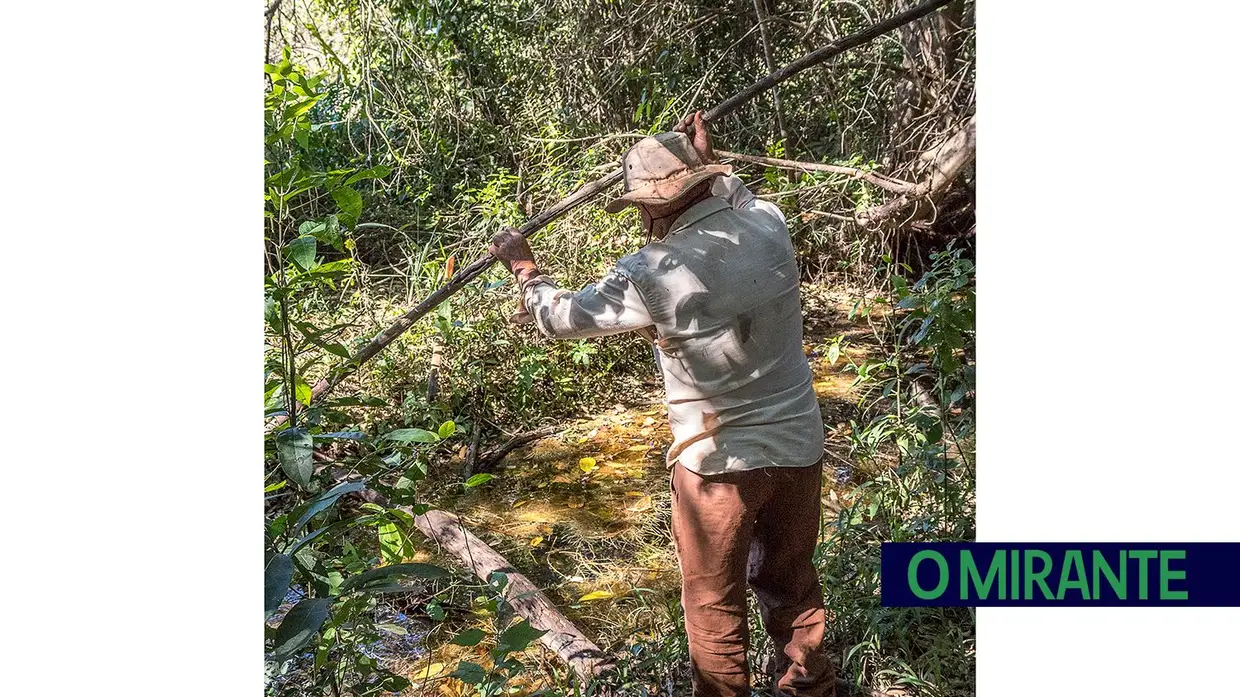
[(879, 180), (596, 187), (562, 637), (825, 53)]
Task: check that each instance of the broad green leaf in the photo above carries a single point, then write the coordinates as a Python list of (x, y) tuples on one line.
[(299, 626), (303, 392), (469, 637), (436, 611), (276, 579), (393, 571), (350, 203), (478, 480), (447, 428), (326, 231), (325, 500), (517, 637), (296, 449), (392, 628), (469, 673), (392, 543), (375, 172), (301, 252), (413, 435)]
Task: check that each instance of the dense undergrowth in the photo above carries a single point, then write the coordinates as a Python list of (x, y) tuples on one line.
[(399, 137)]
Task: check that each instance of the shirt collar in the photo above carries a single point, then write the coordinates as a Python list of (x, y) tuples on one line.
[(697, 211)]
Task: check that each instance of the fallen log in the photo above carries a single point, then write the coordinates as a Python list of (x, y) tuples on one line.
[(562, 637), (596, 187)]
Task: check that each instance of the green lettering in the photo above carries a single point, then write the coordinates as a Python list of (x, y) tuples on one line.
[(1143, 573), (912, 574), (1166, 574), (1118, 584), (1038, 577), (1073, 561), (1015, 592), (969, 574)]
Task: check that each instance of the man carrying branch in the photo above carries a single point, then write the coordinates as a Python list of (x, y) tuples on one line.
[(718, 289)]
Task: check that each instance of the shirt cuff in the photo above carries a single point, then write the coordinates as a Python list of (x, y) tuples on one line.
[(540, 278)]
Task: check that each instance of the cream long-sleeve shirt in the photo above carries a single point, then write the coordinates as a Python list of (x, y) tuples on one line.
[(721, 292)]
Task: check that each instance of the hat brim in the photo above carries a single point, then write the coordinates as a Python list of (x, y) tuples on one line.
[(666, 191)]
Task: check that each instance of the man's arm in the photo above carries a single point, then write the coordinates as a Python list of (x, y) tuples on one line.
[(612, 305)]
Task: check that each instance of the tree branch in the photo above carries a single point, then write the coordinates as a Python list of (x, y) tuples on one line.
[(879, 180)]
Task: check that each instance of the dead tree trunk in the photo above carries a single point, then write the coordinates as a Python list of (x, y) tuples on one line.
[(562, 637), (944, 164)]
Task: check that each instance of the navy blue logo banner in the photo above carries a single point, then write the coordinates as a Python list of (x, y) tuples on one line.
[(1071, 574)]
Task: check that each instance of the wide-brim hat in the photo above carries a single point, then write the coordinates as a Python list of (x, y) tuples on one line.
[(661, 169)]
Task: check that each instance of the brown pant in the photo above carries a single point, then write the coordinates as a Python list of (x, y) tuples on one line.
[(759, 526)]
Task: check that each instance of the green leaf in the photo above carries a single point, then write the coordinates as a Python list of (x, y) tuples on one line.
[(517, 637), (303, 392), (350, 203), (296, 449), (436, 611), (316, 337), (325, 500), (307, 539), (326, 231), (412, 435), (478, 480), (276, 579), (392, 544), (300, 626), (275, 487), (392, 571), (375, 172), (447, 428), (833, 353), (469, 637), (469, 673), (301, 252), (392, 628)]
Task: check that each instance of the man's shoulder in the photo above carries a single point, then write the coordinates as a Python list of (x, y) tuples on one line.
[(636, 265)]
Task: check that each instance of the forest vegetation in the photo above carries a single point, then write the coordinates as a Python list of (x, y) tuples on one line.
[(400, 135)]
